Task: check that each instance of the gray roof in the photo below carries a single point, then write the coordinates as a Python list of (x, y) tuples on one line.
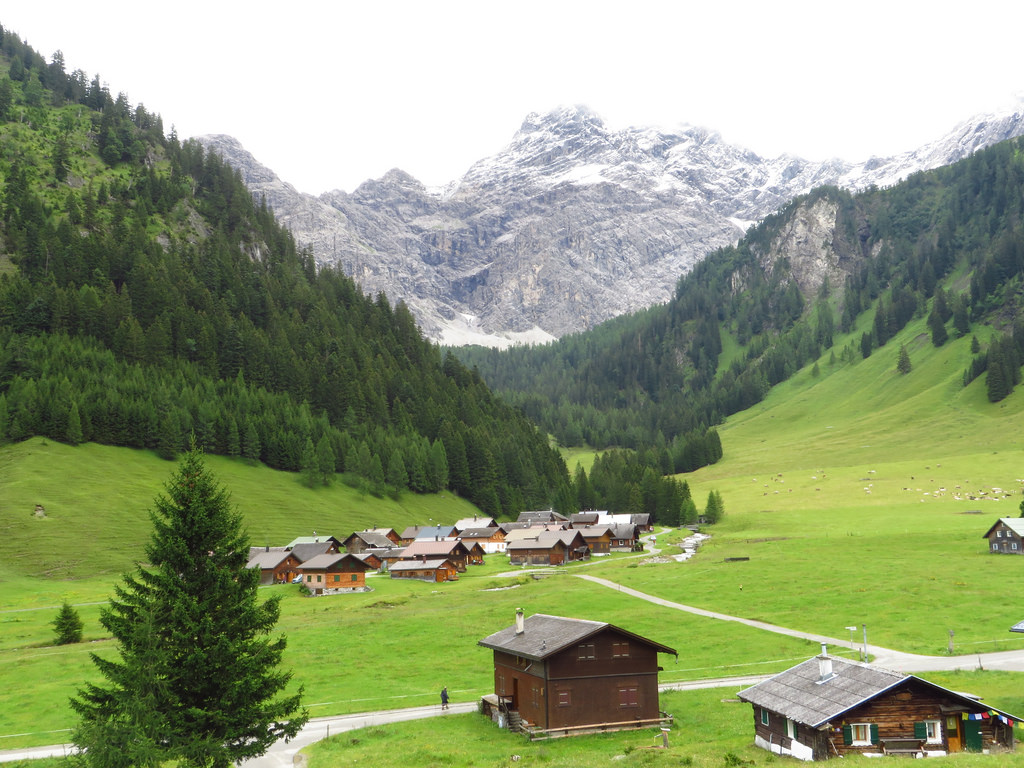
[(304, 551), (267, 559), (1018, 627), (325, 561), (546, 540), (429, 547), (1015, 524), (475, 522), (544, 635), (800, 694), (479, 533), (541, 516), (373, 539)]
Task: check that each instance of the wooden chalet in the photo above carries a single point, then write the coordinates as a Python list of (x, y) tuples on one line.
[(333, 573), (830, 707), (389, 533), (580, 519), (559, 676), (1006, 536), (625, 538), (433, 569), (306, 547), (598, 538), (277, 565), (374, 558), (360, 541), (461, 553), (548, 548), (491, 540), (474, 522)]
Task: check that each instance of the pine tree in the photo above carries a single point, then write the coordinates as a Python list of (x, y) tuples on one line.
[(715, 508), (68, 625), (197, 680), (903, 364)]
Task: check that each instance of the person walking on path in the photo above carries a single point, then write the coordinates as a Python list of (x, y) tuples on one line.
[(444, 697)]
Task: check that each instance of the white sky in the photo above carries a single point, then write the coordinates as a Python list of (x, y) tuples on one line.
[(328, 94)]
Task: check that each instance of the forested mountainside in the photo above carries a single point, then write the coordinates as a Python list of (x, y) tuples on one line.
[(947, 244), (145, 298)]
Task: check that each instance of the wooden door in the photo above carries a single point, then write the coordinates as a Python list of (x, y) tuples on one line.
[(954, 739)]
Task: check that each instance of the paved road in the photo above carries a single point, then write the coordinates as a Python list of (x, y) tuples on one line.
[(883, 657)]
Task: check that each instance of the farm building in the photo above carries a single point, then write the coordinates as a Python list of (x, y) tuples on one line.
[(332, 573), (558, 676), (277, 565), (548, 548), (1006, 536), (830, 707), (433, 569)]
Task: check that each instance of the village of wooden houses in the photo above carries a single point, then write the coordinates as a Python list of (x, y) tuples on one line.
[(326, 565), (561, 676)]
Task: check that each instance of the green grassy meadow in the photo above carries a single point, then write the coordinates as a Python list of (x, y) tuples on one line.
[(859, 496)]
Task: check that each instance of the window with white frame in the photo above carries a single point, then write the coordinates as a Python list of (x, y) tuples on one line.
[(861, 734), (933, 731), (764, 716), (791, 729)]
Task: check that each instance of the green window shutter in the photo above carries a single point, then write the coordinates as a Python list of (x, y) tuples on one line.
[(874, 733), (847, 735), (920, 731), (796, 731)]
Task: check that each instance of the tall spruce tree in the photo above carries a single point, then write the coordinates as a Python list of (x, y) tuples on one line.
[(198, 680)]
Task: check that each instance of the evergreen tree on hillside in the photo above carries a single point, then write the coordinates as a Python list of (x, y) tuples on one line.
[(197, 680), (903, 363), (68, 625)]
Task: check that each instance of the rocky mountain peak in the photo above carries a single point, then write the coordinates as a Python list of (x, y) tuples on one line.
[(571, 223)]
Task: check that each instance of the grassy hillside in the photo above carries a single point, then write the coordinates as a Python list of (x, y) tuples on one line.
[(97, 498), (851, 493)]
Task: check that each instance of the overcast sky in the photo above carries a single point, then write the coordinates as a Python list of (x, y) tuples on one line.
[(328, 94)]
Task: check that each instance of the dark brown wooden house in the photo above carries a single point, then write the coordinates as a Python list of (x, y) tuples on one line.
[(830, 707), (334, 573), (1006, 536), (560, 676)]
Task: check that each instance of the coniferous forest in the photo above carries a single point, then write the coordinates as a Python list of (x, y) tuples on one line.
[(146, 298)]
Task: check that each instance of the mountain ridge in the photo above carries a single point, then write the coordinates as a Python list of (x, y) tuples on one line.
[(569, 225)]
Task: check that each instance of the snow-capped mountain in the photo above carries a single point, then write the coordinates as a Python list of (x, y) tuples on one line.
[(571, 224)]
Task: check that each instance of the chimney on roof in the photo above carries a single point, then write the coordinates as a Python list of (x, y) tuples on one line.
[(824, 665), (520, 622)]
